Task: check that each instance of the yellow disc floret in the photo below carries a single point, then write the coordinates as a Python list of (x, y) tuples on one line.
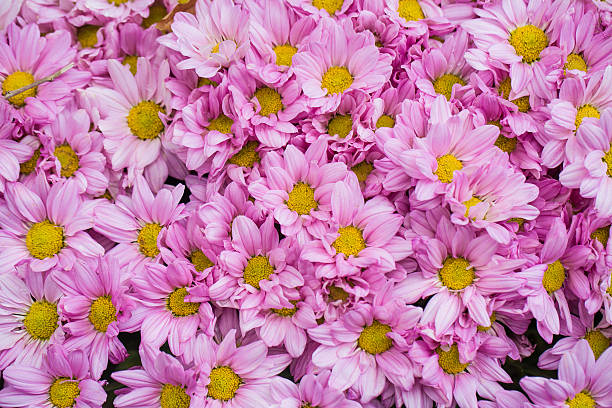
[(598, 342), (221, 124), (284, 54), (147, 239), (602, 234), (470, 203), (143, 120), (554, 277), (456, 273), (444, 84), (132, 62), (301, 199), (257, 269), (585, 111), (350, 242), (88, 35), (607, 159), (224, 383), (156, 13), (385, 121), (29, 166), (200, 261), (331, 6), (581, 400), (64, 392), (447, 165), (575, 61), (336, 80), (269, 100), (247, 156), (528, 42), (337, 293), (16, 80), (41, 320), (173, 396), (449, 362), (340, 125), (67, 158), (373, 338), (45, 239), (410, 10), (506, 144), (102, 313), (175, 302), (362, 170)]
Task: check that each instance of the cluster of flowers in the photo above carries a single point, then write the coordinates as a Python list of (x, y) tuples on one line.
[(384, 198)]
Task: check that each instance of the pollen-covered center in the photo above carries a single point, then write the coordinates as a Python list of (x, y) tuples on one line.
[(224, 383), (410, 10), (221, 124), (102, 313), (64, 392), (607, 159), (350, 242), (581, 400), (373, 338), (247, 156), (554, 277), (444, 84), (284, 54), (362, 170), (16, 80), (336, 80), (143, 120), (456, 273), (87, 35), (331, 6), (337, 293), (41, 320), (598, 342), (29, 166), (68, 159), (286, 311), (576, 61), (156, 13), (340, 125), (447, 165), (301, 199), (257, 269), (585, 111), (175, 302), (132, 62), (602, 234), (200, 261), (470, 203), (492, 319), (269, 100), (44, 239), (117, 2), (528, 42), (147, 239), (449, 362), (385, 121), (506, 144), (173, 396)]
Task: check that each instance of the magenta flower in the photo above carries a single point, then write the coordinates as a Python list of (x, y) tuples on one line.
[(312, 390)]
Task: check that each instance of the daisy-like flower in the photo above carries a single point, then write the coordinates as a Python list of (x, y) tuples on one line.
[(46, 228), (162, 382), (256, 274), (31, 319), (97, 308), (12, 153), (583, 382), (166, 310), (129, 42), (236, 377), (133, 113), (136, 222), (211, 39), (118, 10), (321, 9), (63, 381), (313, 390), (339, 61), (418, 17)]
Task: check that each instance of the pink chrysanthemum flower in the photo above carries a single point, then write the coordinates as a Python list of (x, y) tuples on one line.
[(313, 390), (211, 39), (339, 61), (236, 377), (161, 382), (321, 9), (298, 187), (137, 222), (583, 382), (118, 10), (131, 41), (12, 153), (133, 114), (418, 17), (97, 308), (63, 381), (256, 274), (46, 228), (31, 319)]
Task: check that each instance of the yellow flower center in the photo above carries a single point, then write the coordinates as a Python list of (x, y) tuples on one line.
[(350, 242), (64, 392), (331, 6), (337, 293), (581, 400), (173, 396), (410, 10), (585, 111), (175, 302), (522, 103), (88, 35), (102, 313), (117, 2), (504, 88), (385, 121), (575, 61), (16, 80), (362, 170), (147, 239), (607, 158), (132, 62), (519, 221), (492, 319), (156, 13), (257, 268), (45, 239), (449, 360), (286, 311), (224, 383), (301, 199), (470, 203), (447, 165), (41, 320), (598, 342), (528, 42), (340, 125), (456, 273), (221, 124), (29, 166), (373, 338), (444, 84), (336, 80), (143, 120), (269, 100), (284, 54), (602, 234), (506, 144), (554, 277), (247, 156), (200, 261), (206, 81), (67, 158)]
